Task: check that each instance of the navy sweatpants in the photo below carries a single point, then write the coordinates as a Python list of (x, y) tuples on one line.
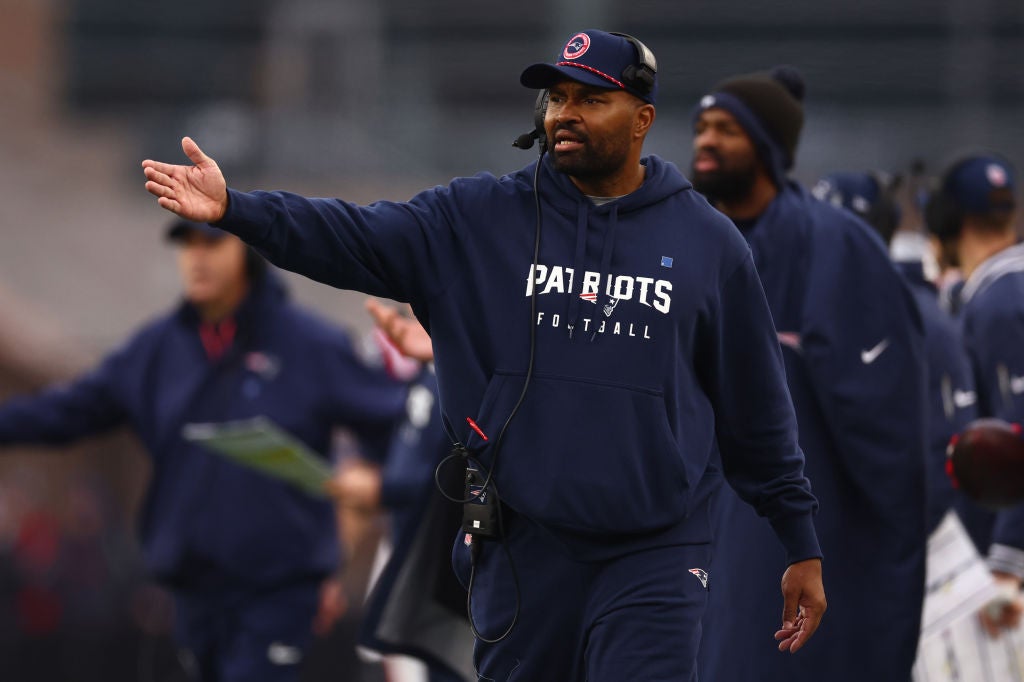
[(242, 636), (634, 616)]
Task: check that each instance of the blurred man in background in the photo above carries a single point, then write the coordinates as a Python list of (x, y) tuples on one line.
[(972, 213), (854, 353), (250, 559), (951, 397)]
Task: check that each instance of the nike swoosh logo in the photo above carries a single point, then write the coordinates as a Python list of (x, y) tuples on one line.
[(870, 355)]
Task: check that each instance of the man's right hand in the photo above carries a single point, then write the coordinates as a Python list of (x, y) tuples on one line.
[(198, 193)]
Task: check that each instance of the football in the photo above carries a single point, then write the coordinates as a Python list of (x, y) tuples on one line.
[(986, 462)]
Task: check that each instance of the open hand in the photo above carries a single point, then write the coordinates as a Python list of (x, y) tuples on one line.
[(197, 193), (803, 604), (406, 333)]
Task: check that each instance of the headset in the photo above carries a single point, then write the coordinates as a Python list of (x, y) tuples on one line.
[(640, 76), (943, 214), (540, 110)]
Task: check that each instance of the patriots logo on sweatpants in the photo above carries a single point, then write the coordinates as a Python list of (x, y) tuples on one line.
[(702, 576)]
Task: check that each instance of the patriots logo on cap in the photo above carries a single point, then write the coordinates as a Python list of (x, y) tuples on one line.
[(707, 102), (577, 46), (996, 175), (702, 576)]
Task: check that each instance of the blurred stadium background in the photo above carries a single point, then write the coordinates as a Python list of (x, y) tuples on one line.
[(363, 99)]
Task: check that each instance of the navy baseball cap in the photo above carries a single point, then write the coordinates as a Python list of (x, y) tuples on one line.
[(598, 58), (857, 192), (181, 228), (980, 184)]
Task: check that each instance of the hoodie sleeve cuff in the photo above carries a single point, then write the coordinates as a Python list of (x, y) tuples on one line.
[(1006, 559), (246, 217), (798, 537)]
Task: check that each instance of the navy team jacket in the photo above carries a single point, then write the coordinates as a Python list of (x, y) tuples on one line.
[(653, 343), (202, 512), (854, 348)]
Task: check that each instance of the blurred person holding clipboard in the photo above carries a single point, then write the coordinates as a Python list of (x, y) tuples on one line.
[(249, 558)]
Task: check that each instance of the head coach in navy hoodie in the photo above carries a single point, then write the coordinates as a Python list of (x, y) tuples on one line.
[(248, 558), (853, 343), (604, 354)]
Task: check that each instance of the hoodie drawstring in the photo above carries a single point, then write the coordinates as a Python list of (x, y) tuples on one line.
[(607, 248), (605, 271), (577, 265)]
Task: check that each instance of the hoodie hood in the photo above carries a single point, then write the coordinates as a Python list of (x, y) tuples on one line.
[(661, 180)]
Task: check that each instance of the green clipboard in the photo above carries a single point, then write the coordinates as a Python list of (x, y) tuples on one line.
[(261, 445)]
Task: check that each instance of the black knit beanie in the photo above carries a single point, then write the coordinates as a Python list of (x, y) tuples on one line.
[(769, 106)]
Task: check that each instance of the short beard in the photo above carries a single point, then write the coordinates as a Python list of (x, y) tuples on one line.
[(725, 185), (595, 161)]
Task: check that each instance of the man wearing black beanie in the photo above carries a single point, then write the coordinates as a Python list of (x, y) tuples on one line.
[(852, 342)]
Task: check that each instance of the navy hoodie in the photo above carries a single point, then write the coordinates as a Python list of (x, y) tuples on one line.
[(671, 349), (855, 359), (202, 513)]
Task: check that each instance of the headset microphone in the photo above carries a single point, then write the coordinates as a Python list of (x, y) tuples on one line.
[(525, 141), (540, 107)]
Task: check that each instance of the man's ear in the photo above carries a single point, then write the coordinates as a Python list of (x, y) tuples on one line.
[(642, 120)]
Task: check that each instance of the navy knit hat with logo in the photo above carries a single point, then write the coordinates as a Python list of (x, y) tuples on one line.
[(595, 58), (769, 107)]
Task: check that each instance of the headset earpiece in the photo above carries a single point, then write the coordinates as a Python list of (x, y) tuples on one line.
[(640, 76), (540, 110)]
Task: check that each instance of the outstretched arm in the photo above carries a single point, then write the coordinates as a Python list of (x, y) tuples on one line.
[(401, 250), (198, 192), (65, 412)]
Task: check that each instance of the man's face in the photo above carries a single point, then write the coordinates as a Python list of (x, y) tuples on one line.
[(212, 268), (589, 129), (725, 161)]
